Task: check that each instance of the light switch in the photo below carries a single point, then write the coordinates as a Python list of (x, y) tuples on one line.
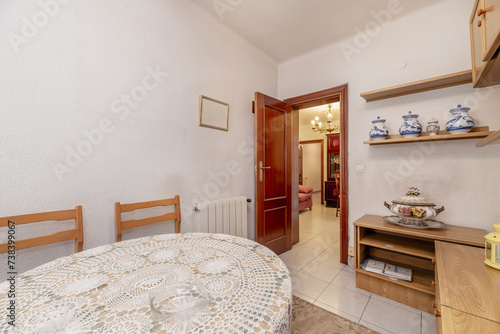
[(360, 168)]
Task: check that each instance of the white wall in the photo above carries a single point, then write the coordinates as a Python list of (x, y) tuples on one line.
[(456, 174), (69, 77), (312, 165)]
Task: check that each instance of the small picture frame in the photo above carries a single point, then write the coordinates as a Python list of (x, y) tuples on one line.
[(214, 113)]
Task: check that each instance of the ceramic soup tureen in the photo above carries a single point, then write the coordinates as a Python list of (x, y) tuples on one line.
[(413, 209)]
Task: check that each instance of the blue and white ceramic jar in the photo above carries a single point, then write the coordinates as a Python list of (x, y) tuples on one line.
[(411, 126), (433, 127), (460, 121), (379, 131)]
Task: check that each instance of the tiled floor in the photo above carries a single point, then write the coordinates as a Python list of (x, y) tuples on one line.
[(319, 278)]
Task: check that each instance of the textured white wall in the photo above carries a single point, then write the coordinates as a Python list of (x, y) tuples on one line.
[(456, 174), (119, 82)]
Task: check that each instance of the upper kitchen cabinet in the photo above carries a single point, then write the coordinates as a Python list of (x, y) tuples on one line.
[(485, 43)]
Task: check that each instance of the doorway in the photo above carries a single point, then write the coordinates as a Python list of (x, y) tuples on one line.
[(327, 96), (311, 165)]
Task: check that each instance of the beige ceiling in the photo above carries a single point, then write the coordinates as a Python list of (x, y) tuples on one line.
[(284, 29)]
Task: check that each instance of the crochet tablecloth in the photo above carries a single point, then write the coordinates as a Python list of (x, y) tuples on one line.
[(105, 289)]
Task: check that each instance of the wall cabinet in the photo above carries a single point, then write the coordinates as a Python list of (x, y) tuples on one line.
[(333, 154), (408, 248), (485, 42)]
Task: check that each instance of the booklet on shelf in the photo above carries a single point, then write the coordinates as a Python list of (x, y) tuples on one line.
[(387, 269)]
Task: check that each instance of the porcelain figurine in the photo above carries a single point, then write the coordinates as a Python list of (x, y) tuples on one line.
[(379, 131), (413, 209), (433, 127), (411, 126), (460, 121)]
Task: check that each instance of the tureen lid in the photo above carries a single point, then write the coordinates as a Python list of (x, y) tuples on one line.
[(378, 120), (412, 197), (433, 120), (460, 108), (410, 115)]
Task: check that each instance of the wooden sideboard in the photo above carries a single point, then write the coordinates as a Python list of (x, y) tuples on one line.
[(467, 291), (408, 248)]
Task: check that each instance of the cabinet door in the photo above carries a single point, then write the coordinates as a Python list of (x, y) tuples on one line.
[(489, 14), (333, 143)]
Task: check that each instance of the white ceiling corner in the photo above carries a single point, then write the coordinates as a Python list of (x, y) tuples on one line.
[(284, 29)]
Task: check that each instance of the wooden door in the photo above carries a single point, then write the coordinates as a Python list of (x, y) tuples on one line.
[(273, 173)]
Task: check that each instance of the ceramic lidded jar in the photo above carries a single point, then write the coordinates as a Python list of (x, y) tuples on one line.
[(379, 131), (460, 121), (433, 127), (411, 126)]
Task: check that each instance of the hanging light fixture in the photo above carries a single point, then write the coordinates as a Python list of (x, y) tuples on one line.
[(317, 126)]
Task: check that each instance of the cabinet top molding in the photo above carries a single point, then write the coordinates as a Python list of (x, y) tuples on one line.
[(449, 80)]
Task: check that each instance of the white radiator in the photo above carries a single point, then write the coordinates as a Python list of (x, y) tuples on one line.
[(228, 216)]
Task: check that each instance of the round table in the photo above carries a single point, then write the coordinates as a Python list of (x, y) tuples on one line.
[(105, 289)]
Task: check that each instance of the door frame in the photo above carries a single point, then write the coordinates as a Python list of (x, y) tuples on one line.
[(322, 142), (313, 99)]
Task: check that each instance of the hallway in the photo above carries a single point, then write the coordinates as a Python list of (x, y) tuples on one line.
[(319, 278)]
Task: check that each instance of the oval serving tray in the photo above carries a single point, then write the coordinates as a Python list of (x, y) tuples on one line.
[(429, 223)]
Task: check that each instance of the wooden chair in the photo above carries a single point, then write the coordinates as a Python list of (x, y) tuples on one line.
[(337, 187), (74, 234), (128, 224)]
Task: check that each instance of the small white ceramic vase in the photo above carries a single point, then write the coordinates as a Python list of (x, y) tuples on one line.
[(433, 127), (379, 131), (411, 126)]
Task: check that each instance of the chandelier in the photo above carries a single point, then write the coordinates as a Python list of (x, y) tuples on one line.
[(319, 127)]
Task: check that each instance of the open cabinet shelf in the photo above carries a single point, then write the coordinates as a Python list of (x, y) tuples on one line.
[(443, 81), (475, 133)]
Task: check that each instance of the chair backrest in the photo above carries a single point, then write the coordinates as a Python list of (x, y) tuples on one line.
[(75, 234), (128, 224), (336, 174)]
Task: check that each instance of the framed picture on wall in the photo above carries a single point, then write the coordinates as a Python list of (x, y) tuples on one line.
[(214, 113)]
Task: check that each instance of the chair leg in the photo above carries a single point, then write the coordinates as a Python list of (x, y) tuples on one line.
[(337, 213)]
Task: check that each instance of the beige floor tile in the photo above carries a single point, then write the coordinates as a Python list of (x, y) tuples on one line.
[(304, 252), (347, 280), (392, 318), (344, 300), (375, 328), (301, 296), (329, 260), (317, 244), (428, 323), (337, 312), (292, 272), (294, 262), (307, 285), (321, 271), (395, 303)]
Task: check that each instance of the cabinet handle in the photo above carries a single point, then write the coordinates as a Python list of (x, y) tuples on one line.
[(434, 305), (433, 261), (479, 23), (481, 12), (434, 283), (437, 314)]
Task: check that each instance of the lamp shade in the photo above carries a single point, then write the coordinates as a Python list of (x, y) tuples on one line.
[(492, 247)]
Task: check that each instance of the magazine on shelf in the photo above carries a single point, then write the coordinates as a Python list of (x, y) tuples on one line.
[(387, 269)]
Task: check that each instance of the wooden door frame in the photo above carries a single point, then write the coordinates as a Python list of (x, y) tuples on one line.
[(313, 99), (322, 142)]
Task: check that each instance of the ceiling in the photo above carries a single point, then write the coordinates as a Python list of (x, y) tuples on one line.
[(284, 29)]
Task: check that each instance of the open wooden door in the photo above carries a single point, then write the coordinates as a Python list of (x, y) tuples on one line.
[(273, 173)]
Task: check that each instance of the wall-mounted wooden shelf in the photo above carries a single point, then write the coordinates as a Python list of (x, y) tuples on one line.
[(494, 138), (478, 132), (449, 80)]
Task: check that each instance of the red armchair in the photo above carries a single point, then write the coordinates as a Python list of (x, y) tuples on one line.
[(305, 198)]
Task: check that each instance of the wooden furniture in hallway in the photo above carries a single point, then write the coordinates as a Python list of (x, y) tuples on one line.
[(333, 153), (408, 248), (467, 291)]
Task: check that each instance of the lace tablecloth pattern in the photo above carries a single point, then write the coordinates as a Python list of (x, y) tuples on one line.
[(105, 289)]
